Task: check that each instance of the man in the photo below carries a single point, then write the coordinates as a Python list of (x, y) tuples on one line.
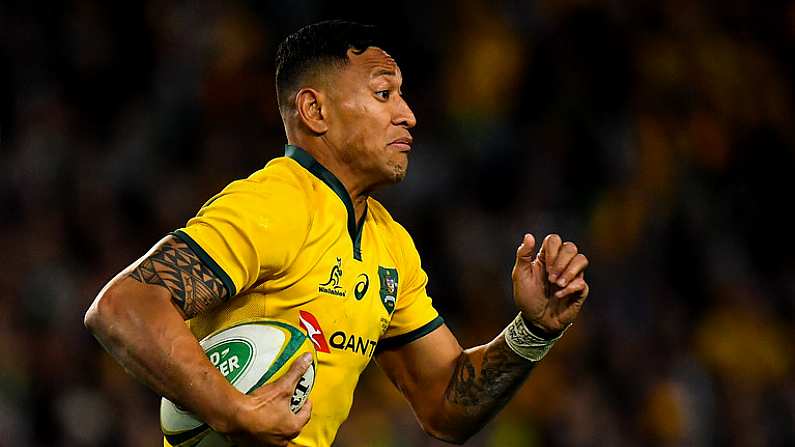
[(302, 241)]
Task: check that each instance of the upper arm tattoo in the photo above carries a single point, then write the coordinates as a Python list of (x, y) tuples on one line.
[(193, 286), (490, 385)]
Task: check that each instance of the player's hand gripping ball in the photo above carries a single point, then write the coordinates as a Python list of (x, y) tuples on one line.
[(249, 354)]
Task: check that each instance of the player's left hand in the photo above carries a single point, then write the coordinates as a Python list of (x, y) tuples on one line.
[(549, 289)]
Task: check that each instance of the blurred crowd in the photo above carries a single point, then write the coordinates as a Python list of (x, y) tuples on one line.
[(657, 135)]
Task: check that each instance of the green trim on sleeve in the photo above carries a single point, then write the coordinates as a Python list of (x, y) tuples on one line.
[(404, 339), (208, 261)]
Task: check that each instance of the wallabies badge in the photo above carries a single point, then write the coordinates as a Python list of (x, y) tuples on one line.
[(389, 287)]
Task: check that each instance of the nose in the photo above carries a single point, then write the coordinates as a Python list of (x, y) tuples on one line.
[(404, 116)]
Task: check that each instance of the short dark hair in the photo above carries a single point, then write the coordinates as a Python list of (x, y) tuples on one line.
[(317, 46)]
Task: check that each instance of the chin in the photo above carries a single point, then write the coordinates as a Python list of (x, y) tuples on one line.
[(395, 171), (399, 176), (399, 173)]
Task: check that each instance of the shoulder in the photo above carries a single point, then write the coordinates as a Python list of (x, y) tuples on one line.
[(281, 180), (280, 172), (279, 189)]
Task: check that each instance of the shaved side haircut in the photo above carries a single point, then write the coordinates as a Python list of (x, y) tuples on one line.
[(315, 48)]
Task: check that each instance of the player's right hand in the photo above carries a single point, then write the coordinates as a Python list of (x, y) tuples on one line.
[(264, 417)]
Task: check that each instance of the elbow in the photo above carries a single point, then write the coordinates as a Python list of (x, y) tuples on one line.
[(103, 311), (448, 437), (448, 431), (92, 319)]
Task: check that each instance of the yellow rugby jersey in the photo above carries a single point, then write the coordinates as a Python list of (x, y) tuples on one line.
[(286, 245)]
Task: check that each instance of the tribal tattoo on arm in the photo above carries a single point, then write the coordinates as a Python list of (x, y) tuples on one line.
[(482, 390), (193, 286)]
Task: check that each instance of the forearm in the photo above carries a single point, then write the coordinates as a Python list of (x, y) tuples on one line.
[(483, 381), (137, 324), (455, 392)]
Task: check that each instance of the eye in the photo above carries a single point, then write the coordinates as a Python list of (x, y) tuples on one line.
[(383, 94)]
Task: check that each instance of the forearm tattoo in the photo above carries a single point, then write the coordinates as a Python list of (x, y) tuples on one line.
[(193, 286), (487, 388)]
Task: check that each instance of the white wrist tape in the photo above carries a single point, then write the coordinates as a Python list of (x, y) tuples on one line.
[(525, 343)]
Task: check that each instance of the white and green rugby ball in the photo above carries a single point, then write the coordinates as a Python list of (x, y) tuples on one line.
[(249, 354)]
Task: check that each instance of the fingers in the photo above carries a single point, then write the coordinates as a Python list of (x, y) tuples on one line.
[(295, 422), (299, 420), (292, 427), (270, 421), (557, 266), (297, 369), (549, 249), (575, 265), (304, 414), (562, 261), (527, 248), (577, 287)]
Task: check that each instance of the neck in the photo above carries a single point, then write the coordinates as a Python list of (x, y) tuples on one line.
[(357, 188)]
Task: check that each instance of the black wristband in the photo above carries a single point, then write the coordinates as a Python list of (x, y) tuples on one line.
[(538, 332)]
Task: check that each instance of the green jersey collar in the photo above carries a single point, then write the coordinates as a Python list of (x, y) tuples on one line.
[(308, 162)]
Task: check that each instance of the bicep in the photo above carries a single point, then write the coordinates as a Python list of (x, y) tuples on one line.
[(173, 265), (422, 369)]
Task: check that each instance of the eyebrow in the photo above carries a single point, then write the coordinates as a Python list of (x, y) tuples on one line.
[(383, 72)]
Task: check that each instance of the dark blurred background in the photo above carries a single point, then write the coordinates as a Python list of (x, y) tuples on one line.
[(657, 135)]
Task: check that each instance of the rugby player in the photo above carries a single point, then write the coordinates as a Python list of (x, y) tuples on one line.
[(301, 240)]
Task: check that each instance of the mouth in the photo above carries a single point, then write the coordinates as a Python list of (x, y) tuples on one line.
[(403, 144)]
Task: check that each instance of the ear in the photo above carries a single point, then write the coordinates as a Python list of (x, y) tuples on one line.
[(309, 104)]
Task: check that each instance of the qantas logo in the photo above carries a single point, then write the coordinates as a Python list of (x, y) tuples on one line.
[(313, 330), (353, 343), (339, 340)]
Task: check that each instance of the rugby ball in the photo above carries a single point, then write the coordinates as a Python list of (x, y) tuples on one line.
[(249, 354)]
